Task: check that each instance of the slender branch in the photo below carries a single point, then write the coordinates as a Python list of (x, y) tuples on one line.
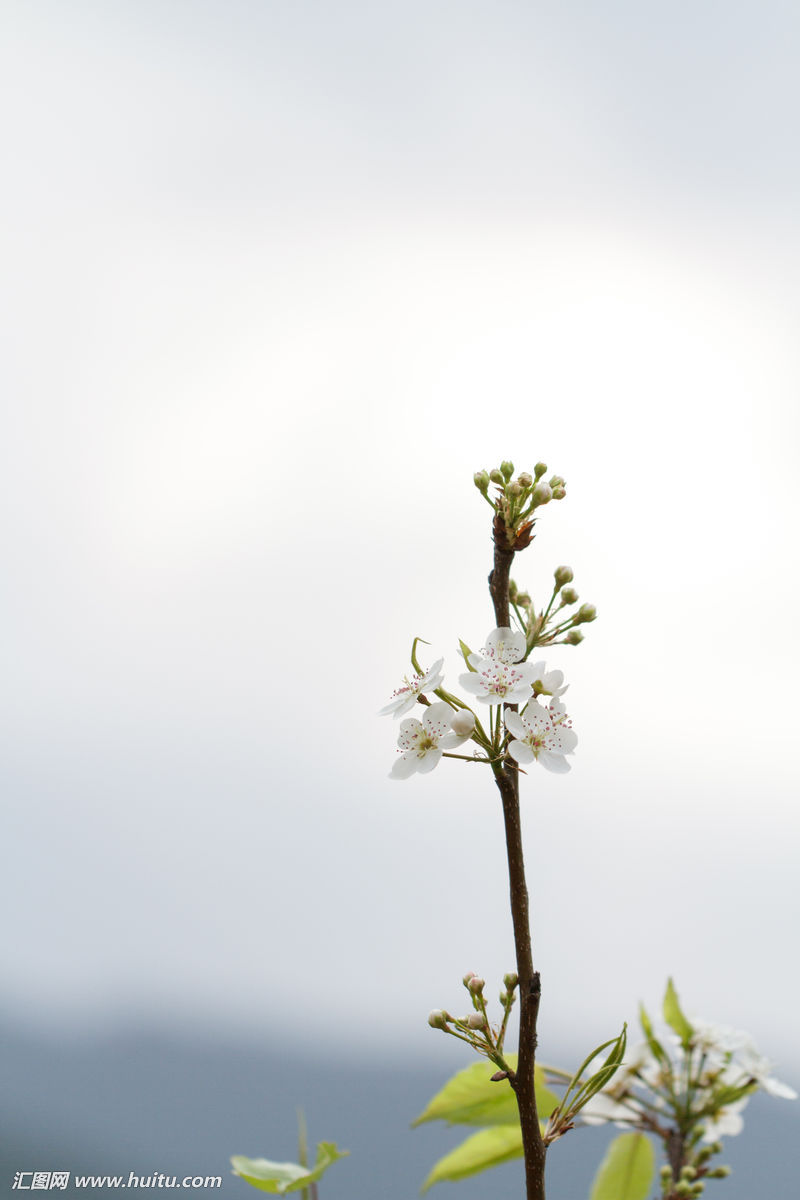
[(507, 780)]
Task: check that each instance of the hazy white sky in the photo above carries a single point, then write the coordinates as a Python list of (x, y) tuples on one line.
[(278, 278)]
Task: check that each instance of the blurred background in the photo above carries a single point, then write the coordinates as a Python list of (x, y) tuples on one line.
[(277, 279)]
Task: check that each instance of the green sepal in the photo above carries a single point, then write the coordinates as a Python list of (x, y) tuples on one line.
[(465, 652), (482, 1150), (280, 1178), (673, 1015), (627, 1171), (414, 660)]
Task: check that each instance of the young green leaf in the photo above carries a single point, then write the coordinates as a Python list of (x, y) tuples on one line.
[(626, 1172), (471, 1098), (483, 1150), (280, 1178), (657, 1050), (584, 1091), (674, 1017)]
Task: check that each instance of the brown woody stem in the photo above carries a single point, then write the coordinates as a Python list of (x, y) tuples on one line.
[(507, 780)]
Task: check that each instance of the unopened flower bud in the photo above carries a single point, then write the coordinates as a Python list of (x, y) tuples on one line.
[(683, 1188), (512, 979), (586, 612), (463, 722), (481, 479), (556, 481), (542, 494), (563, 575), (512, 590), (688, 1172), (496, 476), (559, 492), (569, 595), (514, 489), (475, 1021), (507, 468), (476, 985), (539, 470), (666, 1173), (525, 480), (503, 998), (437, 1019), (719, 1173), (524, 600), (574, 637), (469, 975)]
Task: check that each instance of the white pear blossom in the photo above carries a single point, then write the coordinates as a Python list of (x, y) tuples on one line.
[(754, 1066), (505, 644), (548, 683), (414, 686), (735, 1052), (497, 676), (423, 742), (544, 734), (717, 1042)]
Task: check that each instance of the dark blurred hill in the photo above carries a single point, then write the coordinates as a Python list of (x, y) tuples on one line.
[(154, 1101)]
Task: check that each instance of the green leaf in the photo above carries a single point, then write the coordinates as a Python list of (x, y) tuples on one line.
[(478, 1153), (470, 1098), (280, 1178), (674, 1017), (627, 1170)]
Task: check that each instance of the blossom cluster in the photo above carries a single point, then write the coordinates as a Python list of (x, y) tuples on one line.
[(692, 1084), (497, 676)]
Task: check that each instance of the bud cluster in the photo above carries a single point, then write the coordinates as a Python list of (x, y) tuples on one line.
[(517, 499), (689, 1090), (553, 625), (475, 1028)]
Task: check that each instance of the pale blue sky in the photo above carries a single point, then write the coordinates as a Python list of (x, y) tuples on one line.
[(278, 278)]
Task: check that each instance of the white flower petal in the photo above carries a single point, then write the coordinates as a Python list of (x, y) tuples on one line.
[(472, 682), (519, 693), (521, 751), (404, 766), (410, 732), (775, 1087), (428, 761), (562, 740), (515, 725), (554, 762), (437, 719), (536, 719)]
